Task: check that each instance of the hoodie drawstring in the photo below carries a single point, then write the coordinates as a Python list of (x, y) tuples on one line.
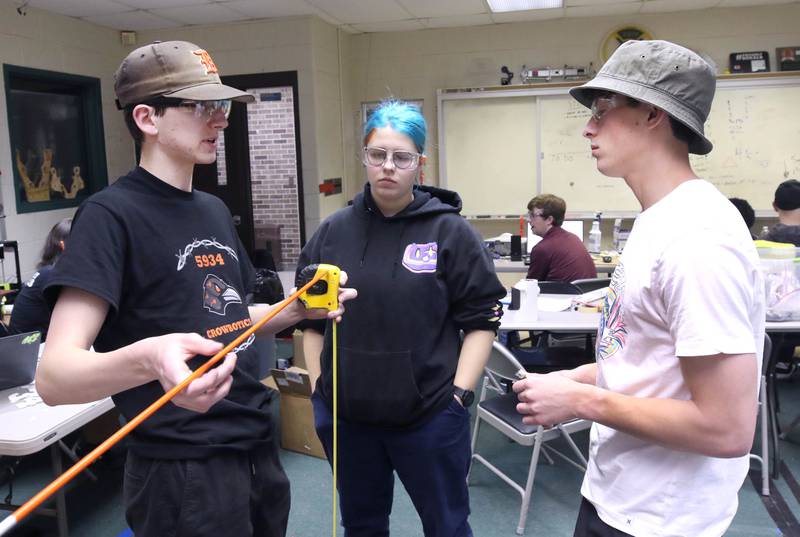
[(398, 254), (366, 239)]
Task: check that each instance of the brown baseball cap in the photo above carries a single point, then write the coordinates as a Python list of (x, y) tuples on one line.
[(176, 69)]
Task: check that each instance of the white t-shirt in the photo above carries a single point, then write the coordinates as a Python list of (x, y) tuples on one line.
[(688, 284)]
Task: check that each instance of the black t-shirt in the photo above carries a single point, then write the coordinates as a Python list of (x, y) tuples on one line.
[(169, 261), (31, 310)]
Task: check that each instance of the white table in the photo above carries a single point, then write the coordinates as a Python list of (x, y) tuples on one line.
[(579, 322), (28, 425), (574, 321), (559, 321), (506, 265)]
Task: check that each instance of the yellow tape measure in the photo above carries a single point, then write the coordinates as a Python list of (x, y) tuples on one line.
[(325, 294)]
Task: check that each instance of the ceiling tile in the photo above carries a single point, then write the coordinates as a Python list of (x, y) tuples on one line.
[(665, 6), (444, 8), (203, 14), (576, 3), (133, 20), (393, 26), (259, 9), (462, 20), (743, 3), (79, 8), (627, 8), (530, 15), (327, 17), (359, 11), (354, 16), (162, 4)]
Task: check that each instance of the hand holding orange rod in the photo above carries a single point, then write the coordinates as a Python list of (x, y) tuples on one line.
[(25, 509)]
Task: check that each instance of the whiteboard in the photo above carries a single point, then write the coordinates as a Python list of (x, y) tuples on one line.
[(756, 136), (490, 158), (568, 169), (754, 124)]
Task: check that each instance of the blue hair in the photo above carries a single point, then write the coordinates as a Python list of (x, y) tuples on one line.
[(402, 117)]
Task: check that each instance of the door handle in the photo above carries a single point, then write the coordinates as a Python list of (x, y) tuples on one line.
[(237, 220)]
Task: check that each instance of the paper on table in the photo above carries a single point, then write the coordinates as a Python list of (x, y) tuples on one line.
[(548, 303), (592, 298)]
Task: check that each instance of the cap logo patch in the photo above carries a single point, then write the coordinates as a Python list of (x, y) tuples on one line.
[(205, 59)]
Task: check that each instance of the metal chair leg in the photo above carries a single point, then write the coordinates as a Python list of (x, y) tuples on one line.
[(526, 497)]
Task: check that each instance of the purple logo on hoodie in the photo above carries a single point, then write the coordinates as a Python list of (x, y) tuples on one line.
[(420, 258)]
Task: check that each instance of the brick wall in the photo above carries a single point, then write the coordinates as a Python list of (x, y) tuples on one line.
[(273, 168)]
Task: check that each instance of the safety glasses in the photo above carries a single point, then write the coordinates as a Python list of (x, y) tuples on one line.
[(208, 109), (402, 160)]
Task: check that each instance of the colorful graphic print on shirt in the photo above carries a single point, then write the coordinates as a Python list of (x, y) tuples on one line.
[(612, 331), (421, 258)]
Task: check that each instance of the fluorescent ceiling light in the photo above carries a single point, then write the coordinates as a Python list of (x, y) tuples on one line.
[(500, 6)]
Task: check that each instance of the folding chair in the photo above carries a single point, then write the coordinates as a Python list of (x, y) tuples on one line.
[(764, 413), (591, 284), (500, 412), (546, 352)]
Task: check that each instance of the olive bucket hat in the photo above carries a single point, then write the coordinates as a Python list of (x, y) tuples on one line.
[(666, 75)]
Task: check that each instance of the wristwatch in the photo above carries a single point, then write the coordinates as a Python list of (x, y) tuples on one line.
[(466, 396)]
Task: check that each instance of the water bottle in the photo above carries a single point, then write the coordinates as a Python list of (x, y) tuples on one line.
[(595, 236), (531, 300)]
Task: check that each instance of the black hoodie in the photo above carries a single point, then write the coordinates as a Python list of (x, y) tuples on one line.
[(422, 275)]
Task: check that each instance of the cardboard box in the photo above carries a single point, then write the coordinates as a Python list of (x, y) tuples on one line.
[(298, 358), (297, 415)]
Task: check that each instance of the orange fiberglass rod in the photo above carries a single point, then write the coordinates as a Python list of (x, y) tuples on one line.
[(25, 509)]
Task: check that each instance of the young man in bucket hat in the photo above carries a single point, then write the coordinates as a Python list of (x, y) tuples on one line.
[(155, 278), (674, 391)]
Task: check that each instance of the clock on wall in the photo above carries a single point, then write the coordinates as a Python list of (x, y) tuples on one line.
[(619, 36)]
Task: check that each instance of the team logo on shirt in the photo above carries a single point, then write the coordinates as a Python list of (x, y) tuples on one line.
[(420, 258), (203, 261), (612, 333), (218, 295)]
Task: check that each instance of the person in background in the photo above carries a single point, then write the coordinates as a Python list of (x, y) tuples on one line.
[(787, 205), (674, 391), (560, 255), (31, 311), (747, 212), (155, 277), (406, 377)]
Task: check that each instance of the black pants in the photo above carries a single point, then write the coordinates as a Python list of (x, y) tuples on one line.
[(234, 494), (590, 525)]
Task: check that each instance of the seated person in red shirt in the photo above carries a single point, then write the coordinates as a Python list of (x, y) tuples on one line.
[(560, 255)]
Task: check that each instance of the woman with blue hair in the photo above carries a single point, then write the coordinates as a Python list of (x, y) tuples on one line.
[(405, 377)]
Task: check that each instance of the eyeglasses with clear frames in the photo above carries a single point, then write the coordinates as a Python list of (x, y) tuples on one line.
[(604, 104), (208, 108), (531, 215), (402, 160)]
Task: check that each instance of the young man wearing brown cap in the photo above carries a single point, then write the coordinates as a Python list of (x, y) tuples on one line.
[(155, 278), (674, 391), (787, 205)]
